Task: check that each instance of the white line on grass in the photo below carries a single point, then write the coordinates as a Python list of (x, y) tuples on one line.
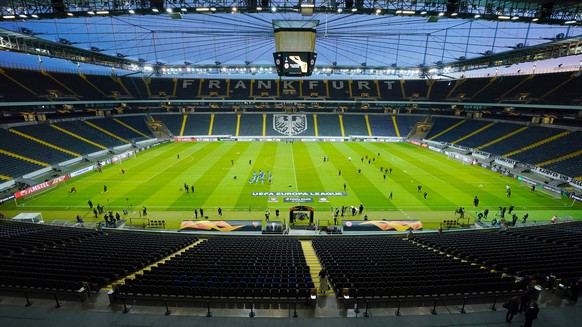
[(294, 171), (407, 216), (170, 166)]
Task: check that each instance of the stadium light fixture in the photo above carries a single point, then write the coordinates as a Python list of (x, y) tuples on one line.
[(131, 11), (169, 10), (409, 12), (441, 14), (455, 14), (8, 16), (503, 17), (424, 12), (34, 16), (398, 12), (378, 11), (515, 18), (274, 9), (535, 19), (570, 22), (184, 9), (202, 9), (233, 9), (354, 9), (23, 16), (70, 14), (103, 12), (90, 12), (155, 10), (477, 16)]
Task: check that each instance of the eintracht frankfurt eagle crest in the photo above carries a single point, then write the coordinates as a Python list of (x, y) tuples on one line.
[(290, 124)]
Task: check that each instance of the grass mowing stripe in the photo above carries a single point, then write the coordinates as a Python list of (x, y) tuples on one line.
[(294, 169), (361, 186), (399, 175), (310, 174), (262, 152), (208, 166)]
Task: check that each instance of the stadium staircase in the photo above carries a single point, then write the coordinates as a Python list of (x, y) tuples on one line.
[(501, 138), (6, 178), (120, 82), (185, 119), (491, 81), (564, 157), (473, 133), (458, 83), (130, 128), (559, 85), (3, 72), (78, 137), (12, 154), (61, 84), (313, 263), (155, 264), (341, 122), (515, 87), (531, 146), (211, 124), (395, 126), (92, 85), (146, 81), (446, 130), (368, 128), (315, 127), (44, 143), (105, 131)]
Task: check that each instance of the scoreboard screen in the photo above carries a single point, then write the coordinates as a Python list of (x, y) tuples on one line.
[(294, 63)]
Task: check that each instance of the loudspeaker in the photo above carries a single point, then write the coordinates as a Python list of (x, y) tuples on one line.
[(158, 4), (59, 6)]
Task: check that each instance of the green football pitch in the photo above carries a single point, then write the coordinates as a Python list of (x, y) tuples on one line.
[(220, 173)]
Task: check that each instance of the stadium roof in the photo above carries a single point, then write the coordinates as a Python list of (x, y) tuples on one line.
[(383, 38)]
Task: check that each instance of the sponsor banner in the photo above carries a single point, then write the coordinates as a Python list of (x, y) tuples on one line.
[(424, 145), (460, 157), (509, 163), (273, 200), (299, 194), (297, 200), (184, 139), (82, 171), (551, 174), (481, 154), (381, 225), (552, 189), (527, 180), (222, 226), (323, 200), (573, 197), (434, 148), (273, 228), (8, 198), (578, 186), (40, 186)]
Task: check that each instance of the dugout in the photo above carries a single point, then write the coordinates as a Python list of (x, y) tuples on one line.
[(301, 213)]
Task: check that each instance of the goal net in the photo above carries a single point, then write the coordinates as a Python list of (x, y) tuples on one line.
[(24, 196), (117, 160)]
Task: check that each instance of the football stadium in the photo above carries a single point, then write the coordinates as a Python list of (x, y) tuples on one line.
[(399, 162)]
